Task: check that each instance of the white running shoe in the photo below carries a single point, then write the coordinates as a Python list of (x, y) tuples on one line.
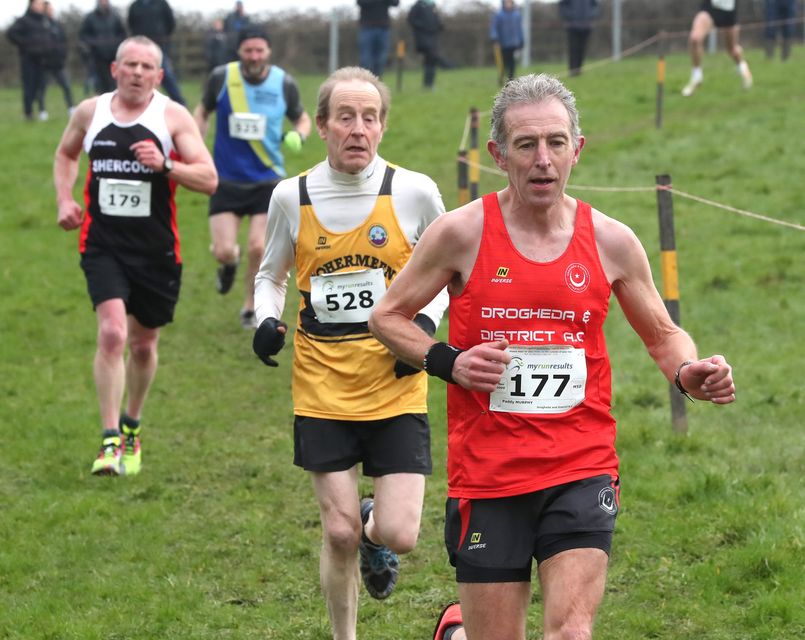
[(690, 87)]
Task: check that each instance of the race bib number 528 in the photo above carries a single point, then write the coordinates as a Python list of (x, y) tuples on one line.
[(347, 297)]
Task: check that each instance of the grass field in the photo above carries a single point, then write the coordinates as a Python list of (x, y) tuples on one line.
[(219, 536)]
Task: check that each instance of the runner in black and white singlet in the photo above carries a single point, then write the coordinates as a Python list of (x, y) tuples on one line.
[(141, 145), (715, 14)]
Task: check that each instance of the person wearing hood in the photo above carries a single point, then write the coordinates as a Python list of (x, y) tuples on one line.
[(506, 31)]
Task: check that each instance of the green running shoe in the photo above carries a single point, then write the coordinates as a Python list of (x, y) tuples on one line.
[(108, 461), (132, 458)]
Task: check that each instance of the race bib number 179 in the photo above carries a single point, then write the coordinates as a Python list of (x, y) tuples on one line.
[(125, 198)]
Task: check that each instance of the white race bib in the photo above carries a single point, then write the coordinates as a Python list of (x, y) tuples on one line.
[(127, 198), (724, 5), (347, 297), (541, 379), (247, 126)]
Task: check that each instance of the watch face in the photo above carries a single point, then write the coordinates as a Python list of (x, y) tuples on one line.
[(168, 166)]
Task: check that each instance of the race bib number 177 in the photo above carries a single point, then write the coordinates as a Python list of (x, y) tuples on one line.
[(541, 379)]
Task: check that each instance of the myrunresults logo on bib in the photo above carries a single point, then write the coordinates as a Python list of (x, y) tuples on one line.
[(541, 379), (347, 296)]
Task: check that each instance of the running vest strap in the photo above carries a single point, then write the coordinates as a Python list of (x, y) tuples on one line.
[(550, 421), (130, 209), (340, 277), (249, 127)]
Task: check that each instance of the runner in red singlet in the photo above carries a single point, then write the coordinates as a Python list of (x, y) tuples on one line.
[(532, 469)]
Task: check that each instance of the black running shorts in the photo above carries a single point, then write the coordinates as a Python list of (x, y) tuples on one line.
[(394, 445), (494, 540), (148, 287), (721, 18), (241, 198)]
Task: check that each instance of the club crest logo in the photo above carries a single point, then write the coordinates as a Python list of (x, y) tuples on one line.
[(608, 501), (378, 236), (577, 277)]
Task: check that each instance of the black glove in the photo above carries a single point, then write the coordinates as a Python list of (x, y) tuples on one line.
[(402, 369), (268, 340)]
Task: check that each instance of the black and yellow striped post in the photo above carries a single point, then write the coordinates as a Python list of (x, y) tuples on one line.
[(670, 280), (400, 59), (463, 190), (498, 62), (660, 80), (474, 157)]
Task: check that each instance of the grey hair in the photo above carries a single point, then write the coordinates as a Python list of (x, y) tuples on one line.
[(346, 74), (142, 40), (531, 89)]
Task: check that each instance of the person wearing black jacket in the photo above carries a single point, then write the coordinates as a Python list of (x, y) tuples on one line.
[(579, 16), (55, 59), (154, 19), (427, 25), (31, 36), (101, 32)]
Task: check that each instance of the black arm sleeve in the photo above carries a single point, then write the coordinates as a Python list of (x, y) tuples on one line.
[(212, 88), (290, 89)]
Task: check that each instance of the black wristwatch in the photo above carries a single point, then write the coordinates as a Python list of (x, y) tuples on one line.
[(167, 166)]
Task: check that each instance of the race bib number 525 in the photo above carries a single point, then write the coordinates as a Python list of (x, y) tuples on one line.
[(541, 379)]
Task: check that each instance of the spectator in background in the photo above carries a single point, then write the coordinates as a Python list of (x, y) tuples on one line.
[(216, 45), (374, 34), (100, 34), (31, 36), (55, 59), (578, 16), (154, 19), (780, 15), (718, 14), (506, 31), (235, 22), (427, 25)]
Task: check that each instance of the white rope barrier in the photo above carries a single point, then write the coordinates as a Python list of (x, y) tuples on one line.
[(682, 194)]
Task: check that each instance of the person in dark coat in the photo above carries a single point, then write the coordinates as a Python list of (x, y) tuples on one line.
[(216, 46), (100, 34), (374, 34), (31, 36), (155, 20), (55, 59), (235, 22), (578, 16), (506, 30), (427, 25)]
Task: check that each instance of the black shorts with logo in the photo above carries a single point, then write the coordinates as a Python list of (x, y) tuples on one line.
[(242, 198), (494, 540), (149, 287), (400, 444), (720, 17)]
